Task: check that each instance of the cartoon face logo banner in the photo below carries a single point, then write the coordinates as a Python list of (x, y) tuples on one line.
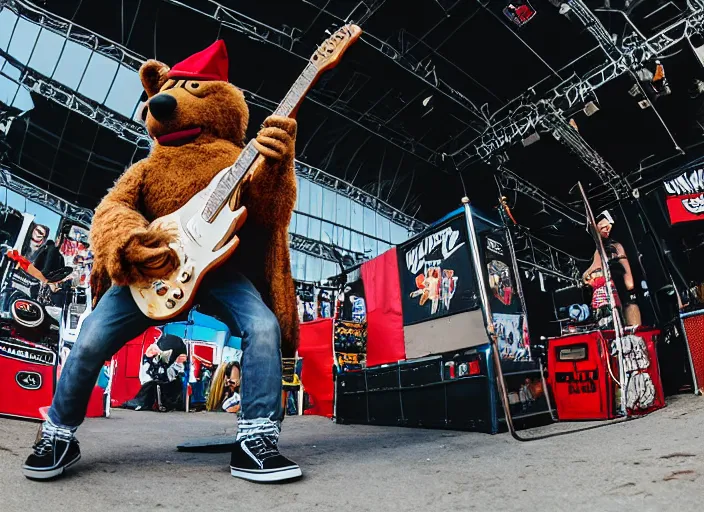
[(685, 196), (436, 273)]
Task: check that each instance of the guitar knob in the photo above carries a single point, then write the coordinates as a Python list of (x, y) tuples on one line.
[(177, 294), (161, 288), (185, 276), (170, 304)]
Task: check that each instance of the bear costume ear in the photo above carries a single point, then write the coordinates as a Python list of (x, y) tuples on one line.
[(153, 75)]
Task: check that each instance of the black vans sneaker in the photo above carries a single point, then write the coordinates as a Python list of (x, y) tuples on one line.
[(258, 459), (51, 457)]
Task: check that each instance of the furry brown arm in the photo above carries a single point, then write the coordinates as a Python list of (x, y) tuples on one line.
[(270, 194), (120, 236), (282, 291)]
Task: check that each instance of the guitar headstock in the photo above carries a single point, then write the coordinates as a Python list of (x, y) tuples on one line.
[(330, 52)]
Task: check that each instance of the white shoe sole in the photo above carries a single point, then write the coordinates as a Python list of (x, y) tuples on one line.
[(35, 474), (267, 476)]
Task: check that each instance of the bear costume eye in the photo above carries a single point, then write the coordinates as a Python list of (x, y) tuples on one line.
[(194, 87)]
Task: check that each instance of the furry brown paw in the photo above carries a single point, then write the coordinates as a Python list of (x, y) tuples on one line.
[(150, 254), (277, 139)]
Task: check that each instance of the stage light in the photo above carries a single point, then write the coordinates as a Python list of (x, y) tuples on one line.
[(533, 137), (427, 100), (659, 82), (519, 12), (590, 108)]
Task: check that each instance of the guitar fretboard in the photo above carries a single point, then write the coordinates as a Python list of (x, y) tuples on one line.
[(231, 179)]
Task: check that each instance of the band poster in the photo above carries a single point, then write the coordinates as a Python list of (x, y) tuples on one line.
[(509, 320), (435, 271)]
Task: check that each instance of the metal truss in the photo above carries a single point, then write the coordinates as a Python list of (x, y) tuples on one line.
[(586, 17), (548, 113), (505, 133), (535, 254), (346, 189), (73, 32), (229, 18), (286, 40), (134, 132), (507, 179), (424, 68), (320, 249), (636, 50), (249, 27), (124, 128), (127, 130), (568, 136), (54, 203)]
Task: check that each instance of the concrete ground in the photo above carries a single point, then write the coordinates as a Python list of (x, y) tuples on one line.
[(130, 463)]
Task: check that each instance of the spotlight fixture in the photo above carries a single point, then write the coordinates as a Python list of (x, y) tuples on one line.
[(533, 137), (590, 108), (519, 12)]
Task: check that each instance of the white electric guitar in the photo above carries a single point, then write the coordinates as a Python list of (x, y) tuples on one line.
[(205, 228)]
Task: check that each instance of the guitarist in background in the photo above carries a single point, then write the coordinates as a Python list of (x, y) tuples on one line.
[(198, 122)]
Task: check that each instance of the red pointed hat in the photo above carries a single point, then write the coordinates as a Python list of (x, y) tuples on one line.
[(208, 64)]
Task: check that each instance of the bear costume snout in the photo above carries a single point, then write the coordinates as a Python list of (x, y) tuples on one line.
[(162, 106), (184, 111)]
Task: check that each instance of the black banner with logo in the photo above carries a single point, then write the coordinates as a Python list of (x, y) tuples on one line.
[(436, 275)]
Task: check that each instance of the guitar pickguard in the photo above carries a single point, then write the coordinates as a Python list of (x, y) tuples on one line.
[(192, 229)]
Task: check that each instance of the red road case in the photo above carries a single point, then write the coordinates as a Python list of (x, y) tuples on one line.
[(693, 324), (579, 374), (27, 378), (579, 377)]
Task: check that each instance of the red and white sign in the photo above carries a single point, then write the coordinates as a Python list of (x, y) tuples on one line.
[(685, 197)]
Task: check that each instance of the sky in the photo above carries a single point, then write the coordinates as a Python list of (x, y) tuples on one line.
[(42, 214)]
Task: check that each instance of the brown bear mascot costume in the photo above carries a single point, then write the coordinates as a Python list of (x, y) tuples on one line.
[(198, 122)]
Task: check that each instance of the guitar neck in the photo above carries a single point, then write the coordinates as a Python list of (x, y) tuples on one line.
[(231, 179)]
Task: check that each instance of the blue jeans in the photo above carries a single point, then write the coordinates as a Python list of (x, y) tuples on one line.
[(116, 320)]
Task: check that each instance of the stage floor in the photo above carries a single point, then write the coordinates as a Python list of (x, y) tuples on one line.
[(130, 462)]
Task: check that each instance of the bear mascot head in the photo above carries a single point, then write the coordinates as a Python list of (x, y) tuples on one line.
[(198, 121), (194, 100)]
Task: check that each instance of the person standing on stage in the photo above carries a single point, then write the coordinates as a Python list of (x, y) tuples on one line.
[(621, 276)]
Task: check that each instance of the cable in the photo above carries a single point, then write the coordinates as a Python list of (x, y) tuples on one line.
[(134, 20), (608, 361), (76, 11)]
